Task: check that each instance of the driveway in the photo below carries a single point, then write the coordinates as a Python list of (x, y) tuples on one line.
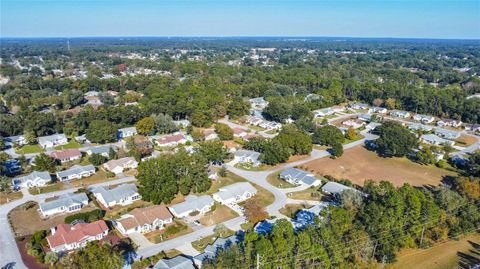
[(140, 240)]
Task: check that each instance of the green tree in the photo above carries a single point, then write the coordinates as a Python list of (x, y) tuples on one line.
[(43, 162), (223, 131), (145, 126), (97, 159), (336, 150), (238, 107), (94, 255), (274, 153), (213, 151), (101, 131), (164, 124), (395, 140), (328, 135)]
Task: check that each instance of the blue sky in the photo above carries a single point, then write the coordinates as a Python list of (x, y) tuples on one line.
[(346, 18)]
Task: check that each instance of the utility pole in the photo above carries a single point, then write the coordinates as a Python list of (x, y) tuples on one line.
[(383, 262), (258, 261)]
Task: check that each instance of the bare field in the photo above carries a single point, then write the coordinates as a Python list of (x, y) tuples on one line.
[(358, 164)]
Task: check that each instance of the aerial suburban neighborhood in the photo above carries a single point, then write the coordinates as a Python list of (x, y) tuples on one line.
[(238, 153)]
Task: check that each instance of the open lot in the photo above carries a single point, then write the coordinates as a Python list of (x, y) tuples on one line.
[(26, 220), (451, 254), (10, 196), (27, 149), (358, 164), (220, 214), (465, 140), (70, 145)]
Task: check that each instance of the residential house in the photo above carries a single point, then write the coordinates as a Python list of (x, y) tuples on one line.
[(338, 108), (171, 140), (67, 237), (118, 166), (239, 132), (372, 125), (123, 195), (210, 252), (400, 114), (472, 127), (209, 134), (51, 141), (235, 193), (66, 203), (91, 94), (247, 156), (34, 179), (18, 140), (447, 133), (66, 155), (354, 123), (212, 174), (82, 139), (126, 132), (359, 106), (141, 220), (76, 172), (201, 204), (424, 118), (299, 177), (258, 103), (323, 112), (102, 150), (365, 117), (252, 120), (377, 109), (270, 125), (436, 140), (449, 122), (177, 262), (420, 127), (335, 189), (230, 146)]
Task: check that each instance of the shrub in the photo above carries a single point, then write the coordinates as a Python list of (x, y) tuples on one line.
[(90, 216)]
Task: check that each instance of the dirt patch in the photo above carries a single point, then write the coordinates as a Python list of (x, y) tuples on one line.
[(10, 196), (220, 214), (466, 140), (358, 164), (26, 221), (450, 254)]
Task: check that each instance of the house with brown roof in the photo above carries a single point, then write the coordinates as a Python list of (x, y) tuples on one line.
[(142, 220), (230, 146), (67, 237), (66, 155), (171, 140), (239, 132), (209, 134), (118, 166)]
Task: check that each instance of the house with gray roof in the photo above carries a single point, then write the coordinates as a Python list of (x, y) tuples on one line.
[(400, 114), (201, 204), (235, 193), (424, 118), (51, 141), (102, 150), (211, 250), (66, 203), (335, 189), (247, 156), (359, 106), (420, 127), (297, 176), (448, 134), (436, 140), (76, 172), (123, 195), (126, 132), (323, 112), (34, 179), (18, 140), (178, 262)]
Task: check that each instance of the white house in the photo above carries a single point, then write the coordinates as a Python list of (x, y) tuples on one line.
[(299, 177), (234, 193), (400, 114), (142, 220), (335, 189), (449, 122), (323, 112), (35, 179), (66, 203), (258, 103), (359, 106), (253, 120), (247, 156), (423, 118), (126, 132), (269, 125), (377, 109), (18, 140), (122, 195), (355, 124), (118, 166), (51, 141), (171, 140), (201, 204), (209, 134), (420, 127), (436, 140), (447, 133), (76, 172), (67, 237)]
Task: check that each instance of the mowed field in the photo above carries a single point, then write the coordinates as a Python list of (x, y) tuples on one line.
[(358, 164), (463, 253)]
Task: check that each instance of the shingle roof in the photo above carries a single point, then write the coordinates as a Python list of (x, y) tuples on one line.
[(298, 175), (179, 262), (247, 153), (68, 234), (235, 189), (32, 176), (66, 153), (101, 149), (116, 194), (64, 200), (141, 216), (335, 188), (76, 169), (43, 139), (192, 202)]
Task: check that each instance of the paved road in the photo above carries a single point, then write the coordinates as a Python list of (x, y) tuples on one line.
[(264, 133), (9, 252)]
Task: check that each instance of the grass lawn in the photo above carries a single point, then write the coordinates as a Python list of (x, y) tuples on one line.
[(358, 137), (220, 214), (249, 167), (224, 181), (26, 219), (274, 180), (177, 228), (49, 188), (73, 144), (265, 196), (98, 177), (10, 196), (201, 244), (117, 211), (246, 226), (27, 149), (450, 254), (358, 164), (311, 193), (289, 210), (273, 131)]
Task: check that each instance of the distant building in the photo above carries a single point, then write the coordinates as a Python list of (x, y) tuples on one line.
[(377, 109), (335, 189), (359, 106), (423, 118), (323, 112), (436, 140), (178, 262), (258, 103), (449, 122), (400, 114), (447, 133), (18, 140), (102, 150), (171, 140)]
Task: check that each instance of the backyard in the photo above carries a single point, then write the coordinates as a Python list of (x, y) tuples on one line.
[(358, 164), (28, 149)]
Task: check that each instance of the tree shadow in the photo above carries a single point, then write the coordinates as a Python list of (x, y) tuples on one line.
[(471, 259)]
